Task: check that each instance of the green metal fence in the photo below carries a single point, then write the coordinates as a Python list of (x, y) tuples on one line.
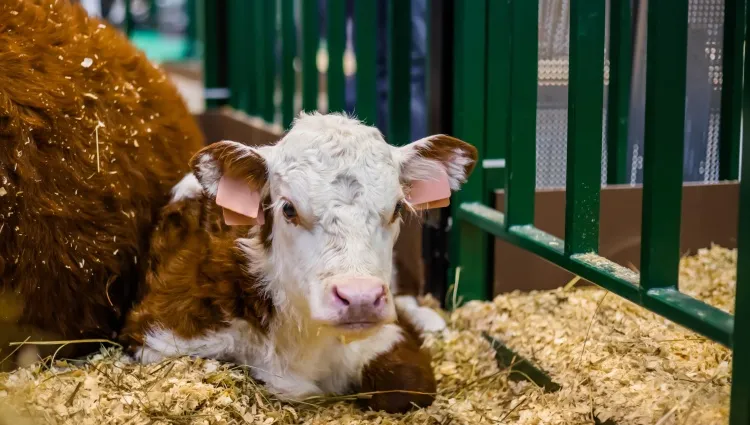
[(496, 83), (242, 68), (494, 107)]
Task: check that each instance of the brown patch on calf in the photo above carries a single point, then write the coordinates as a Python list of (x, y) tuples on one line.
[(266, 228), (442, 148), (246, 165), (197, 278), (402, 378)]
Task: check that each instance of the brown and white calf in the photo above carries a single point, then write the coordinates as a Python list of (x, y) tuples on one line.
[(299, 288)]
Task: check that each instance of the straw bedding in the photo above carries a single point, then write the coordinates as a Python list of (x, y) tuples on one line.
[(614, 360)]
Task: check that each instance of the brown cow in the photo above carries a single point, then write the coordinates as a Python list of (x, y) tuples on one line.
[(92, 138)]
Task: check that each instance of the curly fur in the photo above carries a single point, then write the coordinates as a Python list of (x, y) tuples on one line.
[(76, 214)]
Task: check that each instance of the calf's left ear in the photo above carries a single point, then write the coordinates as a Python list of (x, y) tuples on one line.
[(433, 167), (234, 175)]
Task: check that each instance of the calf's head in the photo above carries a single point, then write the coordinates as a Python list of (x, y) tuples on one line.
[(326, 204)]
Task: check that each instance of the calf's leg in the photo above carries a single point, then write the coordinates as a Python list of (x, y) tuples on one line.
[(401, 378)]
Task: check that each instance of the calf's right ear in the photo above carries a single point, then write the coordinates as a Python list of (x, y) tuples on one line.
[(234, 175)]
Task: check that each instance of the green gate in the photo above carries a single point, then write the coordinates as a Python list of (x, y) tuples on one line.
[(496, 94)]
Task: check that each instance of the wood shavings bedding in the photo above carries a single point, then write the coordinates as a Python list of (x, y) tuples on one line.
[(616, 359), (636, 368)]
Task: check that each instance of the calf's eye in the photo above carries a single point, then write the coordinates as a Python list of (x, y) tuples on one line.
[(289, 211)]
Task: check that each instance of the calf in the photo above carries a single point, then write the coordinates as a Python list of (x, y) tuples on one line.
[(92, 138), (280, 258)]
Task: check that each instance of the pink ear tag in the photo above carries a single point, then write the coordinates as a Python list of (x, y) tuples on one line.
[(241, 204), (434, 192)]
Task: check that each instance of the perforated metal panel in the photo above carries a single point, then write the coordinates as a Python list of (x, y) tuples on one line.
[(552, 92), (703, 93), (704, 78), (706, 27)]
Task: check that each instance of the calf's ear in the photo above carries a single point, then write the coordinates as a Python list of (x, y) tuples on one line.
[(433, 167), (234, 175)]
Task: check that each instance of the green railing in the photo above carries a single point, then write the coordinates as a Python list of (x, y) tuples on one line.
[(496, 92), (241, 67), (494, 107)]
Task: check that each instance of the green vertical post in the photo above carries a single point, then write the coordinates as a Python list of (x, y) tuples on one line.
[(269, 61), (129, 23), (336, 44), (192, 27), (585, 99), (498, 92), (214, 78), (472, 249), (739, 413), (240, 72), (731, 89), (664, 143), (288, 51), (520, 174), (399, 72), (153, 13), (620, 71), (259, 53), (310, 42), (365, 25)]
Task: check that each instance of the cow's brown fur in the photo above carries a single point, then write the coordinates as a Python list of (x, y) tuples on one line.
[(401, 378), (197, 276), (75, 213)]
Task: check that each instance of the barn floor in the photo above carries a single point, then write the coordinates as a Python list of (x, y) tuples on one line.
[(614, 360)]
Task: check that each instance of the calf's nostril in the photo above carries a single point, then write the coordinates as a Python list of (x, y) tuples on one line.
[(380, 297), (339, 296)]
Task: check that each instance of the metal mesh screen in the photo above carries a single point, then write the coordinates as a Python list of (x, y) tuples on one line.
[(706, 27), (704, 78), (703, 93), (552, 94)]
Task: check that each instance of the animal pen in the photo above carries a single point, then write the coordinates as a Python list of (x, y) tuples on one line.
[(646, 148), (494, 62)]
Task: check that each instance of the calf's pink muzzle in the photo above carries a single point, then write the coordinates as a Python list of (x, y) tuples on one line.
[(359, 302)]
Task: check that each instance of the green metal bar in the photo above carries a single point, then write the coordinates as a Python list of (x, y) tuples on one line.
[(618, 108), (252, 60), (259, 52), (521, 151), (739, 413), (585, 99), (269, 50), (129, 23), (310, 43), (667, 302), (498, 92), (399, 72), (153, 13), (472, 249), (731, 89), (240, 74), (664, 143), (336, 44), (214, 78), (365, 26), (192, 30), (288, 52)]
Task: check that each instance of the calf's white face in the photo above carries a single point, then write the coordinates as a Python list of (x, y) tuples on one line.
[(334, 193)]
